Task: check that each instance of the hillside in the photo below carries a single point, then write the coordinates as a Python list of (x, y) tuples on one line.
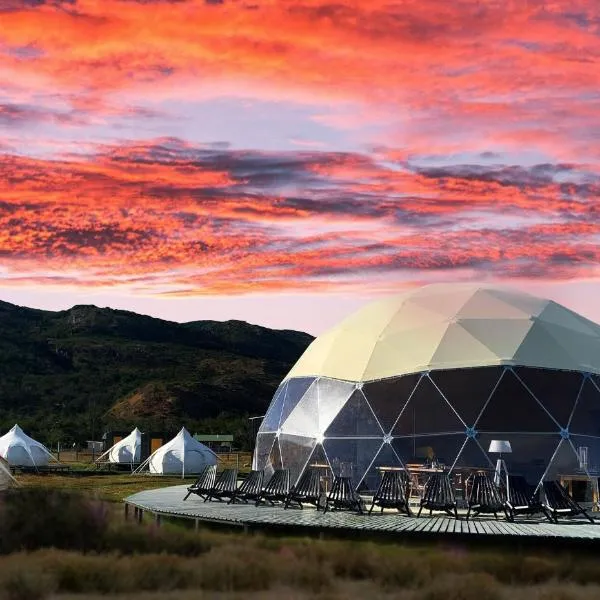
[(67, 376)]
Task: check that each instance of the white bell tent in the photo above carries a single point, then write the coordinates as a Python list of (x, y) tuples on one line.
[(19, 450), (183, 455), (127, 451), (6, 478)]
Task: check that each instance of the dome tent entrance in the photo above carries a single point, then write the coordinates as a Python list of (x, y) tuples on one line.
[(127, 451), (20, 450), (183, 455)]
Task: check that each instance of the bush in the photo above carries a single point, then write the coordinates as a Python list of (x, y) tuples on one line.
[(25, 582), (473, 586)]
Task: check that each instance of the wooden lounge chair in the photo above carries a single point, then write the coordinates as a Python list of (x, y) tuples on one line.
[(523, 499), (225, 486), (308, 490), (438, 495), (250, 488), (392, 492), (342, 496), (277, 488), (559, 503), (204, 483), (484, 497)]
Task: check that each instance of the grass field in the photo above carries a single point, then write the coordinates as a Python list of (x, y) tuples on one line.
[(59, 539)]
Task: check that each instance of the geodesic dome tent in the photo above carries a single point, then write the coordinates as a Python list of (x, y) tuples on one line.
[(20, 450), (183, 455), (127, 451), (439, 373)]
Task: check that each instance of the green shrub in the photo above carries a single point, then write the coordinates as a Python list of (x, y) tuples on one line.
[(25, 582), (473, 586)]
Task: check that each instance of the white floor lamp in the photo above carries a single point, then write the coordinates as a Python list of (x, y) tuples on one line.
[(500, 447)]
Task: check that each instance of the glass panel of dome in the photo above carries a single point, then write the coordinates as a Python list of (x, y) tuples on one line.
[(275, 456), (355, 419), (387, 397), (264, 443), (332, 394), (556, 390), (304, 418), (386, 457), (512, 408), (296, 388), (351, 457), (427, 412), (318, 460), (530, 453), (273, 416), (426, 449), (587, 449), (586, 414), (472, 455), (467, 390), (565, 463), (295, 451)]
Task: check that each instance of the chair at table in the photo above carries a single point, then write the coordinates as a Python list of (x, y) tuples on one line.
[(484, 497), (438, 495), (393, 492)]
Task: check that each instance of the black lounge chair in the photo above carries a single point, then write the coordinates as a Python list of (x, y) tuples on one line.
[(205, 482), (392, 492), (342, 496), (484, 497), (225, 486), (438, 495), (277, 488), (250, 488), (308, 490), (523, 498), (559, 503)]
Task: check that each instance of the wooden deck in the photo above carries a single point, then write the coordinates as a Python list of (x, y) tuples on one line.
[(169, 502)]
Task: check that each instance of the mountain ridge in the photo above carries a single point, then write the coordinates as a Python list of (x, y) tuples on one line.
[(69, 375)]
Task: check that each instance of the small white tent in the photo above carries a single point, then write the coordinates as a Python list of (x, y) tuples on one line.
[(127, 451), (183, 455), (19, 450), (6, 478)]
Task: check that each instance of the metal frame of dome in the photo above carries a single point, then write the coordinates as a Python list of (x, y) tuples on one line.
[(452, 412)]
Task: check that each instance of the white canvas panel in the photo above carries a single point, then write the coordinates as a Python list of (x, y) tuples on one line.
[(459, 347), (559, 315), (502, 337), (482, 304)]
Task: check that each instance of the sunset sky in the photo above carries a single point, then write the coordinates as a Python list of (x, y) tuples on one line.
[(283, 162)]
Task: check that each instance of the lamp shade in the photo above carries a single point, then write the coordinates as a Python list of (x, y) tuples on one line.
[(500, 447)]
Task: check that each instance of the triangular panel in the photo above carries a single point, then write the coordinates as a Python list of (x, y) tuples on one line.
[(443, 302), (564, 462), (351, 457), (467, 390), (264, 444), (587, 449), (528, 304), (295, 452), (428, 449), (530, 455), (387, 397), (472, 454), (459, 348), (332, 394), (483, 305), (318, 460), (556, 390), (586, 415), (513, 408), (275, 456), (385, 458), (427, 412), (502, 336), (559, 315), (296, 388), (273, 415), (355, 419), (303, 420)]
